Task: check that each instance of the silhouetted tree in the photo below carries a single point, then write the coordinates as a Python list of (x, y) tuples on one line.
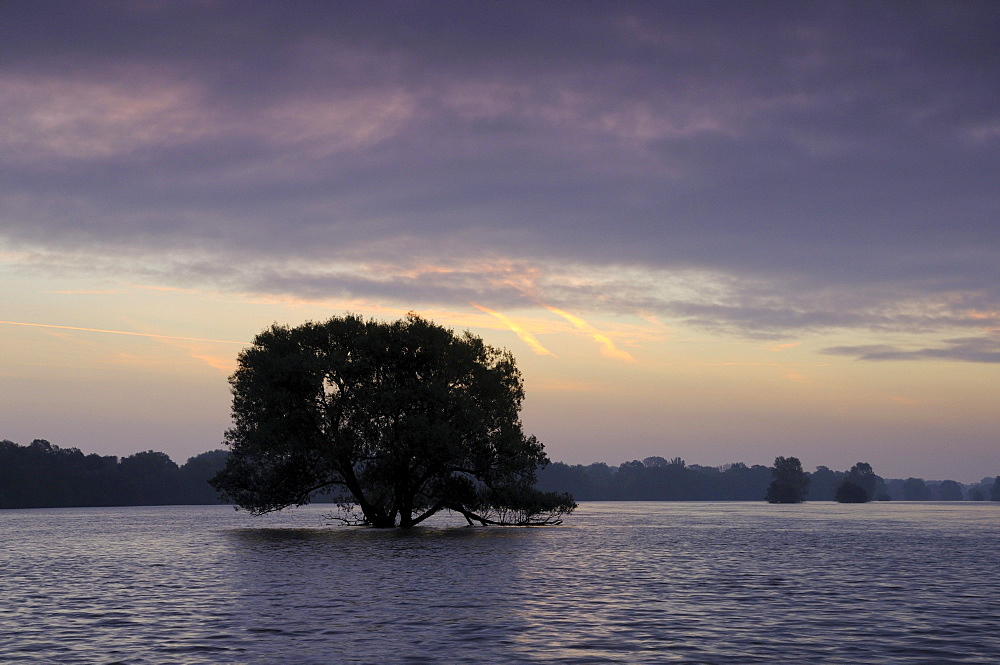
[(915, 489), (587, 483), (949, 490), (400, 419), (152, 477), (851, 492), (600, 476), (743, 483), (195, 474), (43, 475), (823, 484), (862, 475), (790, 482), (668, 481), (632, 481)]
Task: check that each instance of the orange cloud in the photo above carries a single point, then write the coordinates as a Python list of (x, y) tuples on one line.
[(198, 351), (794, 375), (523, 334), (608, 347)]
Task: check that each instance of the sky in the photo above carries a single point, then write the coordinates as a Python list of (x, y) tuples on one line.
[(721, 231)]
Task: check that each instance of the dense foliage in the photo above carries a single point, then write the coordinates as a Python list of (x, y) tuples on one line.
[(790, 482), (860, 486), (915, 489), (657, 479), (400, 420), (41, 475), (851, 492)]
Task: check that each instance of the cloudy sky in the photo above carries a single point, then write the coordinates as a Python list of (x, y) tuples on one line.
[(722, 231)]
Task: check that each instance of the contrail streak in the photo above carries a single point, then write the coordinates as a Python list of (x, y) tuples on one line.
[(121, 332)]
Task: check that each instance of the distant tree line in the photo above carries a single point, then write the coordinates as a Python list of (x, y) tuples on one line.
[(659, 479), (42, 475)]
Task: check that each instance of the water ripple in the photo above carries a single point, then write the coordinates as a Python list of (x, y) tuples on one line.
[(709, 583)]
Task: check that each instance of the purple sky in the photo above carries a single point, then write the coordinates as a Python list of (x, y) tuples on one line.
[(647, 202)]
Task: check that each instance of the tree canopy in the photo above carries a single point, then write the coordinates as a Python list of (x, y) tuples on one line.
[(915, 489), (43, 475), (859, 486), (949, 490), (790, 482), (399, 419), (851, 492)]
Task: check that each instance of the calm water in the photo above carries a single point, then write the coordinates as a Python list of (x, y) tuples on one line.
[(620, 582)]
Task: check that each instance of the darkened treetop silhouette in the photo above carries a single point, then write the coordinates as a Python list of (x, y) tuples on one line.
[(851, 492), (860, 486), (790, 482), (400, 420), (915, 489), (43, 475)]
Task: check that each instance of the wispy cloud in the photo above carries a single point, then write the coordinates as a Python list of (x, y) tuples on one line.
[(121, 332), (608, 347), (967, 349), (524, 335), (203, 352), (84, 292)]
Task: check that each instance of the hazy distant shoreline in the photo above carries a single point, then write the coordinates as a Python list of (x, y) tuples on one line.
[(43, 475)]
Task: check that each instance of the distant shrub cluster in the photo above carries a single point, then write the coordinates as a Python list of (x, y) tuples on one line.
[(41, 475)]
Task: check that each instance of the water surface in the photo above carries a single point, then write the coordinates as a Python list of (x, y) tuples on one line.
[(619, 582)]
